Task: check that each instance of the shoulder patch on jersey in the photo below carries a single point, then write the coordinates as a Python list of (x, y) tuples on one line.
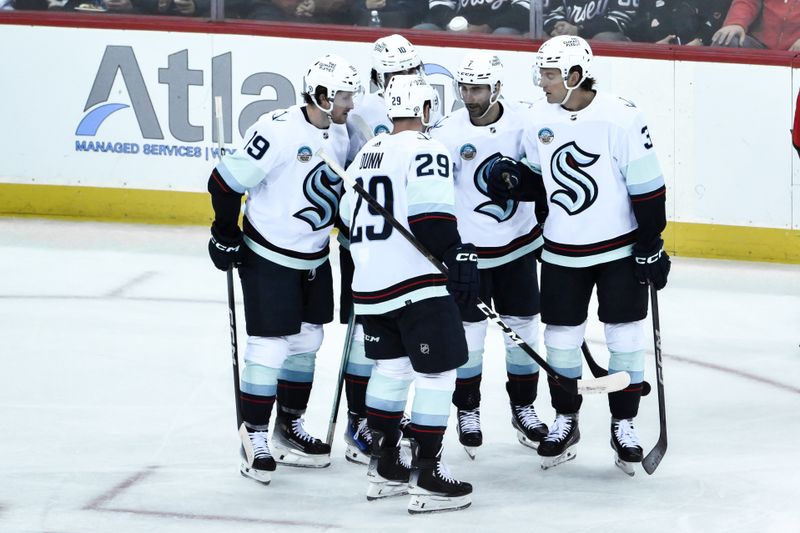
[(380, 128), (468, 152), (304, 154), (546, 135)]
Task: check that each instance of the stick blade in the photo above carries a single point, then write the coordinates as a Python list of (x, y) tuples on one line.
[(605, 384), (653, 459)]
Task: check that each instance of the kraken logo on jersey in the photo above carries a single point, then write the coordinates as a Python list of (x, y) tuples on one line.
[(580, 189), (498, 211), (318, 187)]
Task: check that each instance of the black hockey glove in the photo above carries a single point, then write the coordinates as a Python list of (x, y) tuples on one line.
[(651, 264), (511, 180), (225, 252), (463, 281)]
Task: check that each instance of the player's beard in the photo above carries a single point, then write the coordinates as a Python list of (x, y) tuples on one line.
[(477, 110)]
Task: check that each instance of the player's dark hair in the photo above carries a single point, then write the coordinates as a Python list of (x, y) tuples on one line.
[(588, 83), (318, 92)]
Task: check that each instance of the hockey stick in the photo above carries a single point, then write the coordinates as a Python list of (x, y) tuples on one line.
[(243, 436), (598, 371), (610, 383), (337, 398), (653, 459)]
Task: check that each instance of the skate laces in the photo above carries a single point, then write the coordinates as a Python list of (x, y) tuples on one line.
[(444, 473), (300, 432), (625, 433), (560, 428), (469, 421), (258, 440), (527, 415), (362, 431)]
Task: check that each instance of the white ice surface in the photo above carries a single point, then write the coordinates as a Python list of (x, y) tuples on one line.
[(117, 415)]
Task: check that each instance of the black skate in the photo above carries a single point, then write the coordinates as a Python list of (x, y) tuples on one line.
[(294, 447), (257, 461), (388, 474), (530, 430), (433, 489), (358, 439), (469, 430), (559, 444), (625, 442)]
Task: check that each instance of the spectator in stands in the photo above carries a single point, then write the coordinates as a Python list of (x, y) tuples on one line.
[(773, 24), (8, 5), (590, 19), (511, 17), (391, 13), (687, 22)]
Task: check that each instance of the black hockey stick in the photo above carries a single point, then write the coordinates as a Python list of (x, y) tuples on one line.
[(603, 385), (337, 397), (237, 395), (598, 371), (653, 459)]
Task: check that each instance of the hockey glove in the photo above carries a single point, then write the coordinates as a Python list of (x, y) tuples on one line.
[(511, 180), (463, 281), (225, 252), (651, 264)]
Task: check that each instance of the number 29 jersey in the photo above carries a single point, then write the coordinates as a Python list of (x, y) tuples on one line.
[(592, 162), (292, 195), (409, 174)]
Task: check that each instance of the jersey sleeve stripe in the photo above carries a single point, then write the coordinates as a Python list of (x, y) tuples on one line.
[(239, 173), (430, 191), (430, 216), (661, 191), (421, 209)]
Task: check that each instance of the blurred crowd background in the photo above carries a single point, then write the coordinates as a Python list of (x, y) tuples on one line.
[(754, 24)]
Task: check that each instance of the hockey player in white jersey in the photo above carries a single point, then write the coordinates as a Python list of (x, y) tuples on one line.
[(410, 311), (607, 212), (391, 55), (505, 234), (282, 256)]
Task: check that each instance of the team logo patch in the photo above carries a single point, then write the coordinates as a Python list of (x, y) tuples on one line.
[(304, 154), (380, 128), (424, 349), (468, 152), (546, 135)]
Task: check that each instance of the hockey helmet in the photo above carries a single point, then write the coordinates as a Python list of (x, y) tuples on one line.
[(406, 96), (564, 52), (481, 68), (335, 75), (391, 54)]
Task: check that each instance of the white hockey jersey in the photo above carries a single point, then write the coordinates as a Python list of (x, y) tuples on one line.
[(292, 196), (592, 161), (501, 232), (369, 119), (410, 175)]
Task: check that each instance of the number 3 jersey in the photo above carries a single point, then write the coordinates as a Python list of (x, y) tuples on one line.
[(410, 175), (504, 231), (595, 162), (292, 196)]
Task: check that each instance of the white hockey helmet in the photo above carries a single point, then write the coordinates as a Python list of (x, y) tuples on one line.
[(406, 96), (481, 68), (564, 52), (393, 53), (335, 75)]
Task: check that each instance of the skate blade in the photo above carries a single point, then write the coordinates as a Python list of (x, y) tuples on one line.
[(296, 458), (354, 455), (261, 476), (625, 466), (472, 451), (525, 441), (377, 490), (431, 503), (550, 462)]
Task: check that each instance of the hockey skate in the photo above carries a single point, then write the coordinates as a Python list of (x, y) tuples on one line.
[(625, 442), (469, 430), (388, 473), (433, 489), (358, 439), (294, 447), (559, 444), (530, 430), (405, 428), (261, 462)]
